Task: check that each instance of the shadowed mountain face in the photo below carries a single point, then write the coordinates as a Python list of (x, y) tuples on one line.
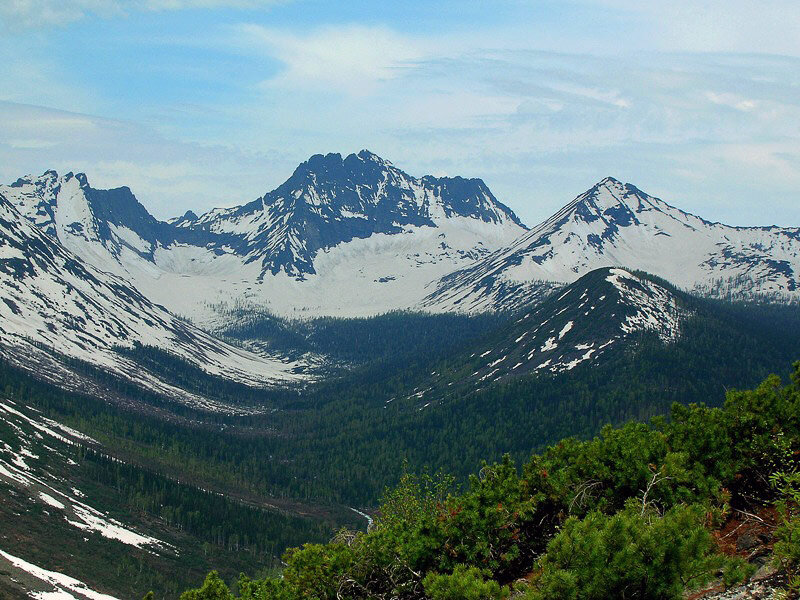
[(616, 224)]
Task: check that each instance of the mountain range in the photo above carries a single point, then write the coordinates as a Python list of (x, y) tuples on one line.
[(346, 236), (356, 236), (86, 271), (57, 307), (616, 224), (208, 390)]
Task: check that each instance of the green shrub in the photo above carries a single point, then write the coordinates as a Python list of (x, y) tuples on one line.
[(630, 554), (464, 583), (787, 535), (494, 525), (213, 589), (266, 589), (764, 430), (317, 570)]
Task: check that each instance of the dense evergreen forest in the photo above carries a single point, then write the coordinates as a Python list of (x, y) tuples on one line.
[(631, 513), (208, 516), (395, 337), (341, 442)]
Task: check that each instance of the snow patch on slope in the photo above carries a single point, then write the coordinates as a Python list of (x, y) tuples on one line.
[(62, 587), (655, 308), (560, 334), (46, 488)]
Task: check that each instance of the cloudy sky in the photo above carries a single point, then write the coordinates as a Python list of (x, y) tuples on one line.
[(201, 103)]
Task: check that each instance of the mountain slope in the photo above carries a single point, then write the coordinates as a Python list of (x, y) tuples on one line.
[(345, 236), (590, 317), (616, 224), (55, 306), (600, 314), (78, 517), (366, 423)]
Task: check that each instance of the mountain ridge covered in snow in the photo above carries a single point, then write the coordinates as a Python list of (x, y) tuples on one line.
[(355, 236), (348, 236), (615, 224)]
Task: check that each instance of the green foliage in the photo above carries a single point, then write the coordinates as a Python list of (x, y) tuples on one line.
[(464, 583), (787, 535), (265, 589), (315, 570), (414, 500), (213, 588), (494, 525), (763, 428), (628, 555)]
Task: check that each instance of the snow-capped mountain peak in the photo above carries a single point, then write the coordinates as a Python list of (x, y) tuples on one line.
[(356, 218), (616, 224), (619, 205), (68, 209), (365, 154), (330, 200)]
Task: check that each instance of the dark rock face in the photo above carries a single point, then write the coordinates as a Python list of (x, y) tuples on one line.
[(329, 200), (747, 541)]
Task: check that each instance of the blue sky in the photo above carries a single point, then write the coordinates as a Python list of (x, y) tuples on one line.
[(201, 103)]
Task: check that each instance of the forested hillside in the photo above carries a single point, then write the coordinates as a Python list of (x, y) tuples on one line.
[(346, 438), (632, 513)]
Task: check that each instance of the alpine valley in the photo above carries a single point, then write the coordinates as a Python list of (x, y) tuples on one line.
[(204, 392)]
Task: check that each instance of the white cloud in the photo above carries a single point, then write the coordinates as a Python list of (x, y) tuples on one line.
[(350, 59), (777, 160), (732, 101), (28, 76), (168, 176), (713, 25), (601, 95), (31, 144), (459, 109)]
